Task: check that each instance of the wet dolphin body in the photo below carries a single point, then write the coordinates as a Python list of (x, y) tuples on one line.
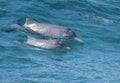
[(12, 27), (46, 44), (50, 30)]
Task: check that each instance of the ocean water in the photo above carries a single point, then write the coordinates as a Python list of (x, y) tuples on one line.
[(97, 22)]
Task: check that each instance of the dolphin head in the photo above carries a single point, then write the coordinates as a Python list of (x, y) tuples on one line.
[(72, 35), (62, 45), (68, 33)]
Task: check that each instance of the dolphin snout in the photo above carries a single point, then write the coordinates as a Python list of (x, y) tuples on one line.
[(67, 48), (78, 39)]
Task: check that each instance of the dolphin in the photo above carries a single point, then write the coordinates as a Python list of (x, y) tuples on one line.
[(50, 30), (12, 27), (46, 44)]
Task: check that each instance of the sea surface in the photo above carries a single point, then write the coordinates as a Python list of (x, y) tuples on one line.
[(97, 22)]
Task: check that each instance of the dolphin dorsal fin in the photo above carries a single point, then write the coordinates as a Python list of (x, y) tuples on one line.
[(29, 21)]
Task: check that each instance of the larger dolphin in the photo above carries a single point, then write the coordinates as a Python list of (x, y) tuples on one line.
[(50, 30)]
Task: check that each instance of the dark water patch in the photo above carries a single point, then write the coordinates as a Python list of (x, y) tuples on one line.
[(3, 13), (3, 4)]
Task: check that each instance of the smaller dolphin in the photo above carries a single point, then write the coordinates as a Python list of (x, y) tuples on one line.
[(50, 30), (46, 44)]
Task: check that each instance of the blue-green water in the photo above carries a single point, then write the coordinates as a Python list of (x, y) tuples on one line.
[(97, 22)]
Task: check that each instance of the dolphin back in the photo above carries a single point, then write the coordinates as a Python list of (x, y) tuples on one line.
[(29, 21), (12, 27)]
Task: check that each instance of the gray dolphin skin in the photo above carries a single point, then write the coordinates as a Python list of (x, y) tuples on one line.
[(46, 44), (12, 27), (50, 30)]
